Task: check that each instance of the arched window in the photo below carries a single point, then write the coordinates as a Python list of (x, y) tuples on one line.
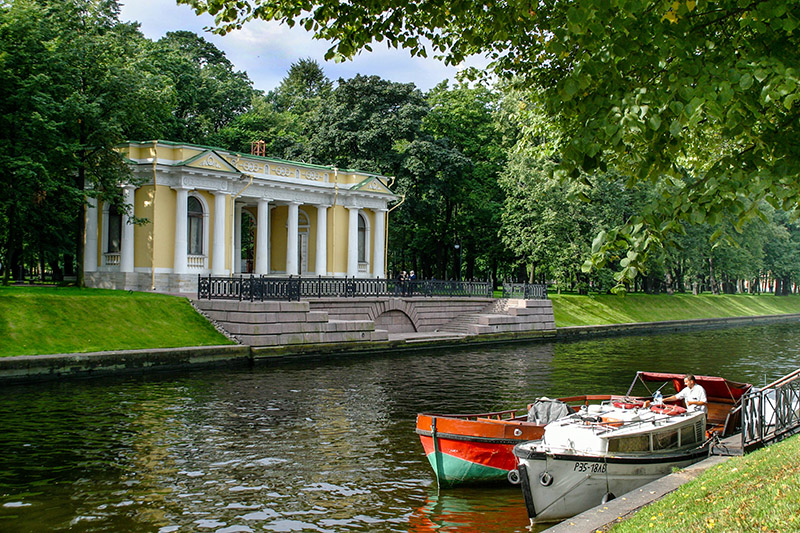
[(362, 239), (114, 230), (195, 226)]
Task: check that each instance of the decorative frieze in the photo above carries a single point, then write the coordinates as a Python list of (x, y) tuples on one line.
[(252, 167), (314, 175), (285, 172)]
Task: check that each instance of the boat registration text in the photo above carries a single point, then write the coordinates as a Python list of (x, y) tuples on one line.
[(594, 468)]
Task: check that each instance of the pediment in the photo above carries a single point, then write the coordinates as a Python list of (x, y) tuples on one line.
[(372, 184), (210, 160)]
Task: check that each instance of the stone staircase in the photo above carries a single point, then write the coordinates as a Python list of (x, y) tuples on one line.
[(462, 324), (271, 323), (505, 316)]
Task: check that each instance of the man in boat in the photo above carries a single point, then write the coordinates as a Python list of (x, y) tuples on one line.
[(693, 394)]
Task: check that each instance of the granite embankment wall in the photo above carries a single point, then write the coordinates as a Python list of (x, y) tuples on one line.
[(46, 367), (270, 330)]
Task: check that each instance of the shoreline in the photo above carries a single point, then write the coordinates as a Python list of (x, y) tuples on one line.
[(34, 368)]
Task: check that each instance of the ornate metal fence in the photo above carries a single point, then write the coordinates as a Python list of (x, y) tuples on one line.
[(525, 291), (294, 288), (771, 413)]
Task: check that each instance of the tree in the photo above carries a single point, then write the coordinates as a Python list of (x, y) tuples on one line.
[(303, 88), (283, 118), (425, 229), (27, 127), (261, 122), (73, 90), (207, 94), (697, 95), (364, 123), (463, 117)]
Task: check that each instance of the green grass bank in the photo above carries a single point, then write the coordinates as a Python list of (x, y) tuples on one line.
[(757, 492), (49, 320), (575, 310)]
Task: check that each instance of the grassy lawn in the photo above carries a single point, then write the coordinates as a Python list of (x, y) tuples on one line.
[(758, 492), (574, 310), (45, 320)]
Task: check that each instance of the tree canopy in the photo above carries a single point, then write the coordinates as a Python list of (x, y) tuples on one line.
[(634, 135), (698, 97)]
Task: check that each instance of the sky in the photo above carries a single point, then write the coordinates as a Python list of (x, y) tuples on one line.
[(266, 50)]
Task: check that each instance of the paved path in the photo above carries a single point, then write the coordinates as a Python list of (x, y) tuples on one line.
[(422, 336)]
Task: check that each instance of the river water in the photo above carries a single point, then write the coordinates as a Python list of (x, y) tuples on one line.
[(314, 445)]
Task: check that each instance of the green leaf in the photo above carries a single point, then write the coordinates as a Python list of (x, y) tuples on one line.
[(598, 241), (655, 122)]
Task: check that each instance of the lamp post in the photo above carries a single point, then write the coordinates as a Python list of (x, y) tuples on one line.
[(458, 262)]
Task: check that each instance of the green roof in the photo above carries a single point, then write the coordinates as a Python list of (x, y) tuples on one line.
[(261, 158)]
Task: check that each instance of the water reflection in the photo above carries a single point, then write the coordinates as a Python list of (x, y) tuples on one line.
[(501, 510), (311, 446)]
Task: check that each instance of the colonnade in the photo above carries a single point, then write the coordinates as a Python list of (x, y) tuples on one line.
[(217, 228), (263, 237)]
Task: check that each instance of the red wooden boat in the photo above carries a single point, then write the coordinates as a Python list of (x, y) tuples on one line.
[(477, 448)]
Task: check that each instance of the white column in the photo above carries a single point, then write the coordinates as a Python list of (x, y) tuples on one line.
[(218, 251), (90, 246), (126, 247), (262, 236), (322, 240), (378, 252), (237, 238), (352, 242), (291, 239), (179, 265)]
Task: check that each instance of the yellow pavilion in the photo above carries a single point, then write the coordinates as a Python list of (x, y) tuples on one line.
[(215, 212)]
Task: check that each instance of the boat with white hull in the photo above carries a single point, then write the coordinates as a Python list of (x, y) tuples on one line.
[(604, 451)]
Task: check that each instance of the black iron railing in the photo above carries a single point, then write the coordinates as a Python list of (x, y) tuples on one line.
[(525, 291), (294, 288), (772, 413)]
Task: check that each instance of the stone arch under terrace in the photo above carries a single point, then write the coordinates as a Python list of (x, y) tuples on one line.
[(394, 316)]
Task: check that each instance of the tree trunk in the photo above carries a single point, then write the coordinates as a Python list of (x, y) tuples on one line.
[(668, 282), (80, 223), (58, 273), (711, 280), (41, 262), (522, 273), (469, 274), (68, 266)]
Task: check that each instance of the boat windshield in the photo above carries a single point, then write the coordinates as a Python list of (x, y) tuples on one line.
[(666, 439), (635, 443)]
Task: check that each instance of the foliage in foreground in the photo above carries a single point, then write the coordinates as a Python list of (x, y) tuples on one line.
[(36, 321), (757, 492), (696, 99), (481, 171)]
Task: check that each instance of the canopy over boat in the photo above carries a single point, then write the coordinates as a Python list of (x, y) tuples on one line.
[(715, 387)]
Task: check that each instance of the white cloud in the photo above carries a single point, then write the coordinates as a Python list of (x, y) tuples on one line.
[(266, 50)]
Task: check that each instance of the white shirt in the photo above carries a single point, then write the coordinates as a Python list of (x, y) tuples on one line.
[(695, 394)]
